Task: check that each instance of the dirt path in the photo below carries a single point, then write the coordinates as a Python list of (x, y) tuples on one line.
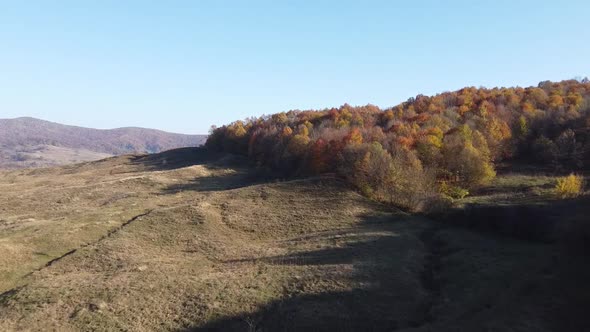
[(430, 276)]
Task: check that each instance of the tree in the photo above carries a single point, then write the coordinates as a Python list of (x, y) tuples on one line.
[(569, 152), (471, 166), (555, 101), (297, 146), (287, 132), (544, 150), (354, 136), (429, 147), (280, 118), (575, 100), (498, 135), (523, 127), (319, 157)]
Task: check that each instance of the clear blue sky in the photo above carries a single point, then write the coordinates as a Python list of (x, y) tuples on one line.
[(185, 65)]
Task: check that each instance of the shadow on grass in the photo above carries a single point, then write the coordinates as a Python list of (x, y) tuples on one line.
[(386, 292), (216, 183), (184, 157), (543, 220), (399, 288), (330, 311), (173, 159), (516, 188), (244, 174)]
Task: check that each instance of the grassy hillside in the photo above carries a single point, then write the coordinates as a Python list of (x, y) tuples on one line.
[(29, 142), (191, 240)]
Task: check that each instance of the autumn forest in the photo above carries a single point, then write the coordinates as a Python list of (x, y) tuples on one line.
[(429, 149)]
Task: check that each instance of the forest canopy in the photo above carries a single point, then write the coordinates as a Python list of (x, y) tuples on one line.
[(427, 147)]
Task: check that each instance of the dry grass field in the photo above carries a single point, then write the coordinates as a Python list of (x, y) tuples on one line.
[(185, 240), (45, 156)]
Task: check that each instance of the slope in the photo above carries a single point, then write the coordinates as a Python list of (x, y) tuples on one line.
[(187, 240)]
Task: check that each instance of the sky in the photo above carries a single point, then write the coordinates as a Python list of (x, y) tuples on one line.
[(183, 66)]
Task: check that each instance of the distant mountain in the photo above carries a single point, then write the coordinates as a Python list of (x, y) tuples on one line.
[(30, 142)]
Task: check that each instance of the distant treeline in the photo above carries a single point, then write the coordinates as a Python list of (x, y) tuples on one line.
[(427, 147)]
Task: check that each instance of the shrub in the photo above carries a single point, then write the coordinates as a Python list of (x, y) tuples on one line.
[(453, 192), (569, 186)]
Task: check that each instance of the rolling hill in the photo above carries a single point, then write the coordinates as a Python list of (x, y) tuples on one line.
[(189, 240), (30, 142)]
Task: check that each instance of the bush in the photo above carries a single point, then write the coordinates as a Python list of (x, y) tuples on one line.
[(569, 186), (452, 192)]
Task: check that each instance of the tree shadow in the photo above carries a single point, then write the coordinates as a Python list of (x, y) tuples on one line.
[(185, 157), (243, 173), (387, 292), (215, 183), (398, 286), (540, 220), (172, 159), (330, 311)]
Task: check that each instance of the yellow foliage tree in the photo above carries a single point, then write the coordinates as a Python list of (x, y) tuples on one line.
[(467, 156), (569, 186), (298, 145), (287, 131)]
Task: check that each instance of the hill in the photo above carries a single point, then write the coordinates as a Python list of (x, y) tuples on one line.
[(193, 240), (428, 150), (29, 142)]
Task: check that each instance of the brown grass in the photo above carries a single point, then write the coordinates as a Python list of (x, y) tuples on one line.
[(219, 251)]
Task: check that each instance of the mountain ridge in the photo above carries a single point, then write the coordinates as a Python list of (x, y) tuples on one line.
[(31, 142)]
